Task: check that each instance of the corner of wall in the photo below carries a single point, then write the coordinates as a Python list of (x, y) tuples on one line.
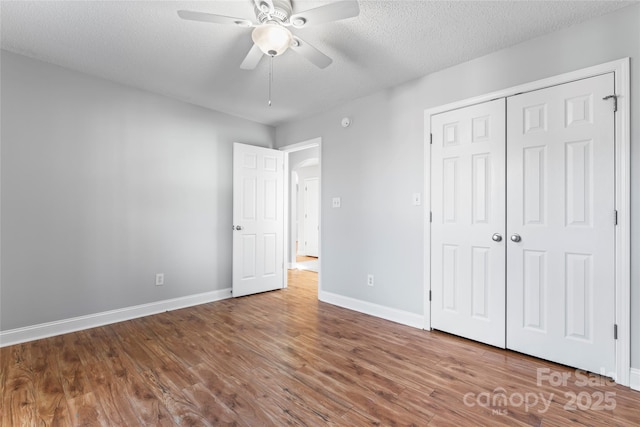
[(399, 316)]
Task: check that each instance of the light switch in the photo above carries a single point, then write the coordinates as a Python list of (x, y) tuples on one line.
[(417, 199), (335, 202)]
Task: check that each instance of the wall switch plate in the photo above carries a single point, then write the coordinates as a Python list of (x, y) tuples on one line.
[(159, 279), (335, 202), (370, 280), (417, 199)]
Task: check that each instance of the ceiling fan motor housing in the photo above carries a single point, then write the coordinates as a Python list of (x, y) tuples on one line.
[(281, 12)]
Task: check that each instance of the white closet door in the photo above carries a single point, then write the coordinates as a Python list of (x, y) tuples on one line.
[(560, 192), (468, 207)]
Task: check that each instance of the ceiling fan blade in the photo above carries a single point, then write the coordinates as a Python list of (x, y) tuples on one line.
[(316, 57), (215, 19), (252, 59), (331, 12)]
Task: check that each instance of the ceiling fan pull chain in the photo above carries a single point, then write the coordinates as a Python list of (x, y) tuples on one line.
[(270, 77)]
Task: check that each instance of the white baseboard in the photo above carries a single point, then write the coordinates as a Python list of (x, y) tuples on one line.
[(634, 379), (392, 314), (59, 327)]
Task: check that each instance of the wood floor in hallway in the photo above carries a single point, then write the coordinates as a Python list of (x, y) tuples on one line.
[(284, 358)]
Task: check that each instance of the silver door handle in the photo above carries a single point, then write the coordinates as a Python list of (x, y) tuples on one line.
[(238, 227), (497, 237), (515, 238)]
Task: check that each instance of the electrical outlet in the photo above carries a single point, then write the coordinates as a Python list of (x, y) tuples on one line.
[(370, 280), (335, 202), (159, 279)]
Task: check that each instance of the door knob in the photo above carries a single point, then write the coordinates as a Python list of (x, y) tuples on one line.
[(497, 237), (238, 227), (515, 238)]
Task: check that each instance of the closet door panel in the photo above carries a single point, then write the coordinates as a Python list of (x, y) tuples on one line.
[(468, 206), (560, 192)]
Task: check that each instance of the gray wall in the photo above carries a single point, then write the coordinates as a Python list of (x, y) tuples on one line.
[(102, 187), (297, 157), (376, 163)]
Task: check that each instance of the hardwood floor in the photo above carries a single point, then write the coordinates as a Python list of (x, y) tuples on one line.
[(284, 358)]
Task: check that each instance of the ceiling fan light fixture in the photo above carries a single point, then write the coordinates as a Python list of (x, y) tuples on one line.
[(272, 39)]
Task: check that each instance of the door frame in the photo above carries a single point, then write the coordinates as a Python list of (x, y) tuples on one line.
[(622, 141), (288, 149)]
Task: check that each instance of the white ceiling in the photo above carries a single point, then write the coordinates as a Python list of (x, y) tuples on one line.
[(144, 44)]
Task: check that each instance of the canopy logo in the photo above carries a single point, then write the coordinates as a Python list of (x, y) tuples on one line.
[(500, 399)]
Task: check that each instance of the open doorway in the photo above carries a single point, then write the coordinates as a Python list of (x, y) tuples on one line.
[(305, 218), (302, 168)]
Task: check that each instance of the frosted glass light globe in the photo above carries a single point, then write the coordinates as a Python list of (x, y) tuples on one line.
[(273, 39)]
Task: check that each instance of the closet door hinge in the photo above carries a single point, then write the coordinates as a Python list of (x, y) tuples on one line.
[(615, 217), (430, 216), (430, 138), (429, 295), (615, 101), (615, 332)]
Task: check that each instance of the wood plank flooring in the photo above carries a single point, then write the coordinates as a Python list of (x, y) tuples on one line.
[(283, 358)]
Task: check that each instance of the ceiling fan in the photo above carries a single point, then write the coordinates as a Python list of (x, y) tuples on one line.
[(270, 34)]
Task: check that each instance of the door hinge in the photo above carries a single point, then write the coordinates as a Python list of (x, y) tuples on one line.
[(430, 216), (615, 101), (430, 138), (615, 217), (615, 332), (429, 295)]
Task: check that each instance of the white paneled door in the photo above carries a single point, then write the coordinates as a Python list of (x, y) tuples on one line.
[(258, 223), (311, 216), (545, 247), (468, 223), (561, 220)]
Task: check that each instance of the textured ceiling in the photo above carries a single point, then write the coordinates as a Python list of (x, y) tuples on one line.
[(144, 44)]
